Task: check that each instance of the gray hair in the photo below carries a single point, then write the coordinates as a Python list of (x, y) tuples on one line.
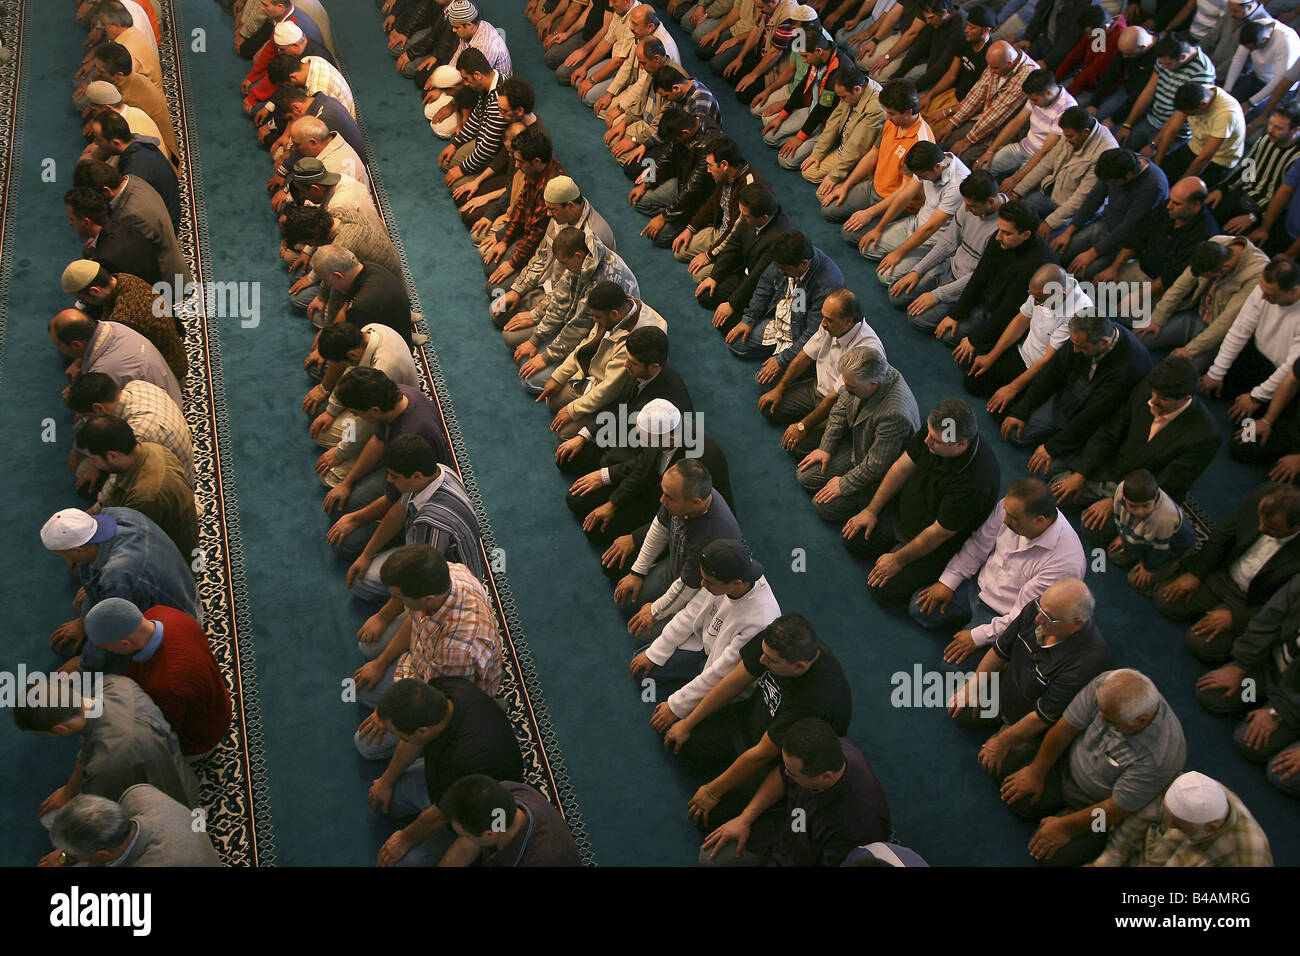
[(1094, 327), (114, 14), (1081, 603), (88, 823), (329, 259), (1130, 693), (310, 127), (954, 416), (864, 365)]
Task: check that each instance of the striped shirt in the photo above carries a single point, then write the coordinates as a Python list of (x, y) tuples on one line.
[(486, 126), (460, 639), (994, 99), (1149, 838), (1045, 121), (1155, 539), (489, 42), (154, 417), (442, 517), (1261, 171), (960, 243), (1197, 69), (323, 78)]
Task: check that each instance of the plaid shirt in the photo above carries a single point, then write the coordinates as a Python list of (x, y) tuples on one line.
[(323, 78), (1148, 839), (153, 416), (529, 219), (460, 639), (487, 40), (995, 98)]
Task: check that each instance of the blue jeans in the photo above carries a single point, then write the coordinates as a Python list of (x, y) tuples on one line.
[(1007, 160), (658, 197), (751, 347), (653, 587)]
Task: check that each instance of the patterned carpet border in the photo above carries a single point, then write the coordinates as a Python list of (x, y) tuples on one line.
[(13, 105), (520, 687), (234, 780)]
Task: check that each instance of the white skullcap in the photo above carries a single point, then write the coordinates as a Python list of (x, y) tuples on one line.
[(286, 33), (1196, 798), (658, 418), (445, 77)]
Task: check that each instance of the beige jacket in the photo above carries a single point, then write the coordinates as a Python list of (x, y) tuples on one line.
[(1066, 177), (606, 371), (1188, 292), (850, 132)]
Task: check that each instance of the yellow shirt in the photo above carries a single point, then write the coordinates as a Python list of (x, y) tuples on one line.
[(1222, 118)]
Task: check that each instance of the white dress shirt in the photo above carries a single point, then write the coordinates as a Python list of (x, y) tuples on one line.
[(826, 351)]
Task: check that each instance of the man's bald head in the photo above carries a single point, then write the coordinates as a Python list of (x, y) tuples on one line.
[(1048, 276), (71, 331), (1188, 188), (1187, 198), (1135, 40), (1000, 54)]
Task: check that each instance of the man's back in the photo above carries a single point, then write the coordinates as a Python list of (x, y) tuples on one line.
[(122, 247), (155, 485), (147, 161), (419, 418), (545, 839), (477, 739), (167, 835), (139, 204), (379, 296), (124, 355), (131, 742), (182, 678)]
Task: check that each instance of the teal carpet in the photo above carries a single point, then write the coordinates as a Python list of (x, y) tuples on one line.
[(626, 792)]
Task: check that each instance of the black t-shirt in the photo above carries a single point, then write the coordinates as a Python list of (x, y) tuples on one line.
[(545, 839), (957, 492), (821, 691), (478, 739), (1044, 680), (379, 296), (970, 66), (852, 813)]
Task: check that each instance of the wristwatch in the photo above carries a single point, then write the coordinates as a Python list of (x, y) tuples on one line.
[(800, 426)]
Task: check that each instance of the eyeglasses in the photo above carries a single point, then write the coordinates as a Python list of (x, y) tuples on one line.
[(1038, 605)]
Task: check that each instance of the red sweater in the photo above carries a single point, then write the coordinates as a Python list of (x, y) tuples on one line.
[(183, 680), (1093, 53)]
